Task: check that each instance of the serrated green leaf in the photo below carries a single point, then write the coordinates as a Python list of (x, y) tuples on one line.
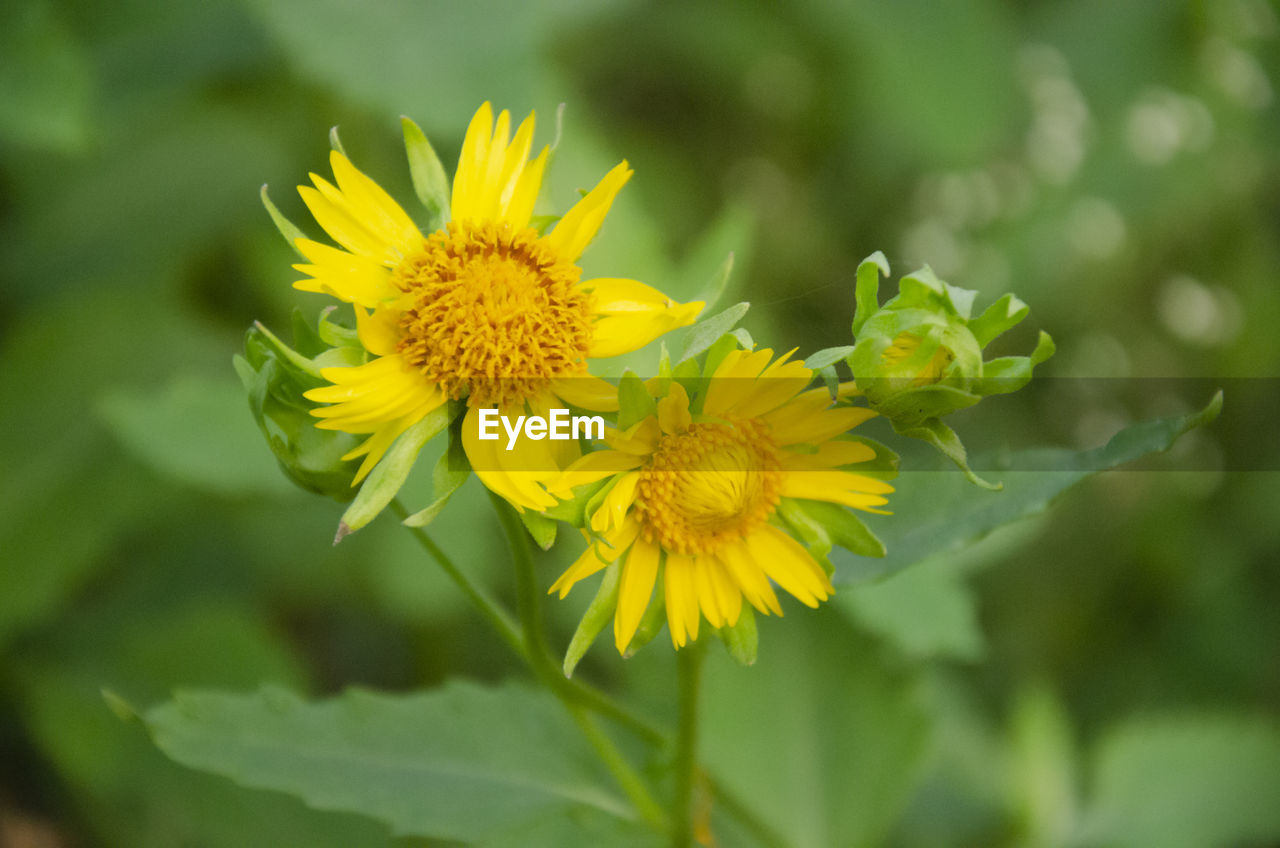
[(598, 614), (386, 478), (429, 180), (702, 335), (464, 763), (937, 512)]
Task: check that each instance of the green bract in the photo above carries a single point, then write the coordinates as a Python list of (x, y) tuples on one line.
[(918, 357), (275, 376)]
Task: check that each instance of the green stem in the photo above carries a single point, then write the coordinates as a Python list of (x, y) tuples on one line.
[(689, 682), (480, 599), (592, 699), (541, 660)]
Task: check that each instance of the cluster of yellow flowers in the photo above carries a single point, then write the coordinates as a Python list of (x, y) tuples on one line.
[(696, 485)]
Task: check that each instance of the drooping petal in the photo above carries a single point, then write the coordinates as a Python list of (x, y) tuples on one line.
[(750, 578), (708, 596), (682, 599), (788, 564), (638, 576), (507, 472), (580, 224)]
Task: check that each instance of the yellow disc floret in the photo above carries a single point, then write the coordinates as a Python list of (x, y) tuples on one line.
[(493, 312), (710, 485)]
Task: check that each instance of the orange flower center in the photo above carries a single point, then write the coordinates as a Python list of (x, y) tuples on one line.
[(709, 485), (492, 313)]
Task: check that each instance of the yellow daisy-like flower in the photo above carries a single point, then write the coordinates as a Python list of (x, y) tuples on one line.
[(487, 308), (694, 495)]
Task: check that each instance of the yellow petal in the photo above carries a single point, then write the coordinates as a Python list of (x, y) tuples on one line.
[(777, 384), (830, 454), (789, 565), (592, 467), (471, 164), (750, 578), (592, 560), (682, 599), (638, 575), (350, 277), (379, 330), (491, 462), (734, 380), (613, 509), (640, 438), (728, 595), (708, 597), (525, 192), (800, 423), (373, 206), (587, 392), (842, 487), (580, 224), (613, 335)]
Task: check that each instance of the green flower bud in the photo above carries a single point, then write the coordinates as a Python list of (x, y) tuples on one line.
[(275, 376), (918, 357)]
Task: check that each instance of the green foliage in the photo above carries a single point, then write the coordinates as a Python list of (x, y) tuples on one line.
[(466, 762)]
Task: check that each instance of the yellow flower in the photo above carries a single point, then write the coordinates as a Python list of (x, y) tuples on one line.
[(487, 309), (695, 489)]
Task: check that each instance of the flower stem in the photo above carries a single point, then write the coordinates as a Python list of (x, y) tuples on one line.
[(689, 682), (480, 599), (543, 664)]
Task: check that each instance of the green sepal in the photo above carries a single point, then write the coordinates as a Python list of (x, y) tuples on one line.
[(386, 478), (942, 437), (576, 509), (744, 338), (742, 640), (1010, 373), (288, 230), (716, 286), (599, 612), (827, 356), (716, 353), (540, 527), (634, 401), (334, 334), (840, 525), (451, 470), (275, 376), (867, 288), (654, 618), (335, 142), (429, 180), (704, 334), (1005, 314)]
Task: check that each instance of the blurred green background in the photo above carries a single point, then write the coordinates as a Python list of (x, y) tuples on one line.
[(1108, 674)]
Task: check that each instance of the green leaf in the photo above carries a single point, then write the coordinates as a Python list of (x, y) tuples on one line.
[(867, 290), (288, 230), (702, 335), (827, 356), (840, 525), (429, 180), (1186, 782), (541, 528), (464, 762), (634, 401), (598, 614), (742, 639), (195, 431), (947, 443), (386, 478), (844, 734), (937, 512), (926, 612), (451, 470)]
